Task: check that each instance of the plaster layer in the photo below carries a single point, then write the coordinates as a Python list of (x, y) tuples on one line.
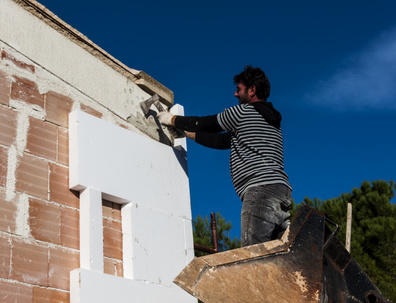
[(77, 61)]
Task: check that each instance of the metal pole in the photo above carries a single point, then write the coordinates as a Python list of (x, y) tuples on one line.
[(213, 226), (349, 228)]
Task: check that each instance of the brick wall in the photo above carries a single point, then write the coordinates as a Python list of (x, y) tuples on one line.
[(39, 215)]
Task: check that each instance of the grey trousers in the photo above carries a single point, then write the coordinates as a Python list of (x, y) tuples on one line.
[(265, 213)]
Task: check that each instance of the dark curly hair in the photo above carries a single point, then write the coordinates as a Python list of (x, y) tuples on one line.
[(254, 76)]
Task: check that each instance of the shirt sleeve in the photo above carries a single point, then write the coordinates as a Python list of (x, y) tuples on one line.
[(214, 140), (207, 124), (230, 118)]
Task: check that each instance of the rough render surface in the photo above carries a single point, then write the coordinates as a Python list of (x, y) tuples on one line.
[(39, 215)]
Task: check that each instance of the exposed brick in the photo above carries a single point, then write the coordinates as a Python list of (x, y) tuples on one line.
[(15, 293), (32, 176), (111, 210), (117, 211), (5, 89), (119, 268), (3, 166), (107, 208), (8, 210), (42, 139), (8, 126), (112, 239), (70, 231), (18, 63), (61, 262), (44, 219), (29, 262), (63, 146), (27, 91), (123, 126), (59, 187), (91, 111), (5, 253), (45, 295), (57, 108), (113, 267)]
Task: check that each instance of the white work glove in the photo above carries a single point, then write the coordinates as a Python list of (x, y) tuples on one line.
[(165, 118)]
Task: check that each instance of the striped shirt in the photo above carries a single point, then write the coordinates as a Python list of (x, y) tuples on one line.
[(256, 156)]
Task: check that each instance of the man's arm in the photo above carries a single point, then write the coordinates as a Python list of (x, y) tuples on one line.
[(191, 123), (198, 124), (203, 130), (212, 140), (190, 135)]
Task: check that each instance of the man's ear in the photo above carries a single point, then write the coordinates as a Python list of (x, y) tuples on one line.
[(252, 90)]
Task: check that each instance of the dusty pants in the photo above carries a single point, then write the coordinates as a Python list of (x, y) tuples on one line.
[(265, 213)]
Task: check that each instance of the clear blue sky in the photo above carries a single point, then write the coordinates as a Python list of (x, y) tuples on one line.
[(331, 64)]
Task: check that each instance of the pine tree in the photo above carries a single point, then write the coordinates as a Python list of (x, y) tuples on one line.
[(202, 234)]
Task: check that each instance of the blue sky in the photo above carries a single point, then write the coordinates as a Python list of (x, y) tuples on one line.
[(331, 64)]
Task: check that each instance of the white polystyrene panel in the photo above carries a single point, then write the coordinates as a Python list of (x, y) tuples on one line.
[(91, 230), (126, 166), (151, 180), (158, 244), (90, 286), (177, 109), (188, 231)]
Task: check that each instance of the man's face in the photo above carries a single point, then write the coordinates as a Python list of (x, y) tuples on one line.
[(242, 93)]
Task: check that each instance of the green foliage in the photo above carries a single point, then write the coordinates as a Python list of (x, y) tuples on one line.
[(202, 234), (373, 241)]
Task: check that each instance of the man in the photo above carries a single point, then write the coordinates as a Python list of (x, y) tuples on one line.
[(252, 131)]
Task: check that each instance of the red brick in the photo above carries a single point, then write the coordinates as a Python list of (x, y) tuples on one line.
[(113, 267), (117, 211), (61, 262), (70, 228), (8, 211), (111, 210), (59, 187), (5, 253), (107, 208), (32, 176), (63, 146), (42, 139), (18, 63), (8, 126), (57, 108), (91, 111), (27, 91), (112, 239), (29, 262), (45, 295), (15, 292), (5, 89), (44, 219), (3, 166)]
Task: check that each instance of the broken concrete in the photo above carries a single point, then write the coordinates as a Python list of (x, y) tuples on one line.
[(308, 264)]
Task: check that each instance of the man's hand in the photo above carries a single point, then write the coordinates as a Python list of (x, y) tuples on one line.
[(190, 135), (165, 118), (176, 133)]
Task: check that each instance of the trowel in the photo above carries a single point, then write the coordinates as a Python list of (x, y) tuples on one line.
[(146, 105)]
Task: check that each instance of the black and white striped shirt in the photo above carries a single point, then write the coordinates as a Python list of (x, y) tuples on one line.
[(256, 156)]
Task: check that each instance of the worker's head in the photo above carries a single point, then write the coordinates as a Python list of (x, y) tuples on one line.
[(252, 85)]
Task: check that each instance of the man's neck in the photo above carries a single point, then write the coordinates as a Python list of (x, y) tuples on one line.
[(255, 99)]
